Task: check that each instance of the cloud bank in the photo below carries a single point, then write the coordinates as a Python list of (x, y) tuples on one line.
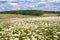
[(51, 5)]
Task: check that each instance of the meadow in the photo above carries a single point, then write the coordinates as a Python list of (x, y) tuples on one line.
[(38, 28), (29, 25)]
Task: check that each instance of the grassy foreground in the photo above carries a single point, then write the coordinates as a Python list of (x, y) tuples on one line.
[(29, 25), (40, 28)]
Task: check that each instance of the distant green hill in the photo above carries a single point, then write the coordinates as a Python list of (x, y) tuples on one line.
[(29, 12)]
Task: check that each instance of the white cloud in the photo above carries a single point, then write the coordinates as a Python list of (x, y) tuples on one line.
[(13, 4), (33, 4), (11, 0), (53, 0), (2, 0), (26, 0)]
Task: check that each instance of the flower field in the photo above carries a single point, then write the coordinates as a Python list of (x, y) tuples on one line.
[(39, 28)]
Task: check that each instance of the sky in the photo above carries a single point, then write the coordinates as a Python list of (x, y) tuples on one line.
[(47, 5)]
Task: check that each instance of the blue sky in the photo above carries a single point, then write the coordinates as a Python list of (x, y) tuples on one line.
[(51, 5)]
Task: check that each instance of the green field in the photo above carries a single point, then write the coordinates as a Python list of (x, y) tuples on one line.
[(29, 25)]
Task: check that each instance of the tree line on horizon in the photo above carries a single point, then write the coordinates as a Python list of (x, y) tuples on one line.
[(29, 12)]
